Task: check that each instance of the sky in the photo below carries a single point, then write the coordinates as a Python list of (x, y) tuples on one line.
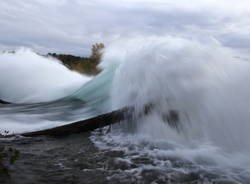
[(72, 26)]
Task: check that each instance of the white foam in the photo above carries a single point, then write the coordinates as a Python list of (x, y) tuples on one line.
[(204, 82), (29, 77)]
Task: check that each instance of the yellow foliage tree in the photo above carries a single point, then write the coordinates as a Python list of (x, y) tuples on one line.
[(96, 52)]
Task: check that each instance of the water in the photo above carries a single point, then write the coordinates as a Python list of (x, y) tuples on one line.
[(27, 77), (205, 84)]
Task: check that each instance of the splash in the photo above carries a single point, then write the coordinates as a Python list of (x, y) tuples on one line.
[(205, 83)]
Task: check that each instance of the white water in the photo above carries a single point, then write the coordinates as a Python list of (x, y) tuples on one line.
[(29, 77), (206, 83), (26, 77)]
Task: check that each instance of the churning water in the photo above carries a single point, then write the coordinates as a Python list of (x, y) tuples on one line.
[(204, 84)]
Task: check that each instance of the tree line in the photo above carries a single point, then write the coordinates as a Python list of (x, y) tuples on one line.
[(84, 65)]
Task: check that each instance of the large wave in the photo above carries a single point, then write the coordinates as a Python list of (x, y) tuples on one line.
[(204, 84)]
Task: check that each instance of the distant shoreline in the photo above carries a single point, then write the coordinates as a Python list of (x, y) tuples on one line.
[(83, 65)]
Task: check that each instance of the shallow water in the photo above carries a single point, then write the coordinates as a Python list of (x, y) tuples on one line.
[(106, 158), (166, 161)]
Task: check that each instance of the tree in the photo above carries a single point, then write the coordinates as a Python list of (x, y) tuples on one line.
[(96, 52)]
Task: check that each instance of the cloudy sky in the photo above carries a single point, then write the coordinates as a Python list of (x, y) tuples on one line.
[(72, 26)]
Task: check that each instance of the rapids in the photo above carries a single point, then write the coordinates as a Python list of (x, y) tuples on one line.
[(204, 82)]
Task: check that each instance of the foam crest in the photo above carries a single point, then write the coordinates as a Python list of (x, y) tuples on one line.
[(29, 77)]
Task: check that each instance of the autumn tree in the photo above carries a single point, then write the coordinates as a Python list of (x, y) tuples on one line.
[(96, 52)]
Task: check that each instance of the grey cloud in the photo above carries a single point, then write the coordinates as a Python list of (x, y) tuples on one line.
[(72, 26)]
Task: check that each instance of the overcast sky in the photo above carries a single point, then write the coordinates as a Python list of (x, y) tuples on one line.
[(72, 26)]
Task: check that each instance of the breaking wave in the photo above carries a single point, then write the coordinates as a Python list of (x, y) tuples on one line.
[(27, 77)]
